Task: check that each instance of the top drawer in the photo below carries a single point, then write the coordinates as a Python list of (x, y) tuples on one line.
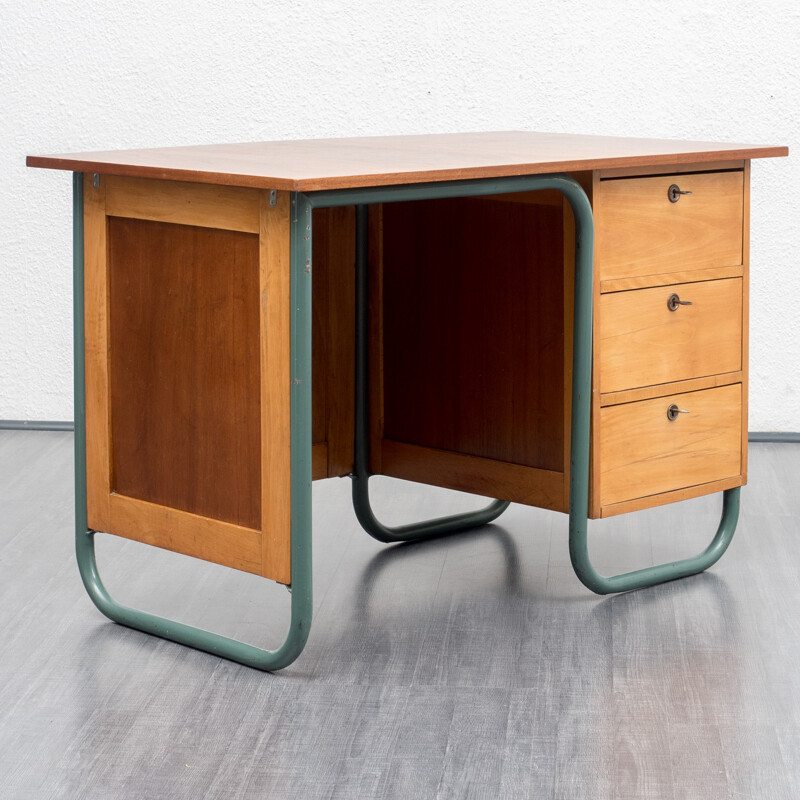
[(640, 231)]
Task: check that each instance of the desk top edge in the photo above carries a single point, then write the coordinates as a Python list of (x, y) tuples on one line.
[(320, 164)]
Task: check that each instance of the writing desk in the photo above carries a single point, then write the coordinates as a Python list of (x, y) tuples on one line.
[(548, 319)]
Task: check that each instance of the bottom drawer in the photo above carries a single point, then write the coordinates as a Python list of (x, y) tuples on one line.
[(644, 452)]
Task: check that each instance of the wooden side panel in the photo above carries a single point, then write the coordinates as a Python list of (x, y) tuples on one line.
[(473, 329), (173, 407), (98, 416), (643, 453), (333, 339), (276, 444), (184, 368), (640, 232)]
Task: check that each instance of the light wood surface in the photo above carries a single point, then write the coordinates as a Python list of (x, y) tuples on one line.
[(663, 389), (667, 168), (276, 380), (676, 496), (745, 315), (193, 535), (669, 278), (640, 232), (642, 452), (486, 477), (227, 207), (98, 416), (642, 342), (314, 164)]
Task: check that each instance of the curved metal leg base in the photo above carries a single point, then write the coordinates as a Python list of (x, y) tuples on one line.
[(581, 563), (243, 653), (417, 531)]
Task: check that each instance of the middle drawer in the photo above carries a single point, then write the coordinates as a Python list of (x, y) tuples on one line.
[(669, 333)]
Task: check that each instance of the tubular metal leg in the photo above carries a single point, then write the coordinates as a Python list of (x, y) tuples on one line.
[(579, 452), (301, 603), (581, 392), (415, 531)]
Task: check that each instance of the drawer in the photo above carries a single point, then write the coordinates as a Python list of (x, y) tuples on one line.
[(641, 232), (643, 342), (643, 452)]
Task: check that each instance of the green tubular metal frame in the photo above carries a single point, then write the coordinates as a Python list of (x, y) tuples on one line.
[(581, 387), (301, 601), (301, 586), (416, 531)]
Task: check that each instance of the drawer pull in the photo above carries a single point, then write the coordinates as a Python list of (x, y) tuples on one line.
[(673, 411), (673, 301), (674, 193)]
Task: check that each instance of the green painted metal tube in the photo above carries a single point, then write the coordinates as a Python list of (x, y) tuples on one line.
[(579, 453), (581, 389), (650, 576), (416, 531), (301, 570), (301, 602), (441, 189)]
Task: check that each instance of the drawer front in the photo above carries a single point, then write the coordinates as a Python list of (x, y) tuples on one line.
[(643, 452), (641, 232), (643, 342)]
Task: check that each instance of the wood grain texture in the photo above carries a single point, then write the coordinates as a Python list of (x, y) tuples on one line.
[(643, 343), (314, 164), (665, 498), (663, 389), (98, 414), (595, 474), (666, 168), (640, 232), (275, 308), (226, 207), (334, 337), (184, 368), (473, 319), (486, 477), (644, 453), (669, 278), (230, 545), (745, 315)]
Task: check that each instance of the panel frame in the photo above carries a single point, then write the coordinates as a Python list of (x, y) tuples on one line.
[(299, 355), (264, 551)]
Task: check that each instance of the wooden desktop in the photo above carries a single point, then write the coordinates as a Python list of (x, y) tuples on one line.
[(190, 260)]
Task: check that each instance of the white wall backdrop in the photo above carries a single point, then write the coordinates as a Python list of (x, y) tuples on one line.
[(91, 75)]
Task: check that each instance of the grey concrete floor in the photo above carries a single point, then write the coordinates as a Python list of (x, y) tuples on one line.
[(470, 667)]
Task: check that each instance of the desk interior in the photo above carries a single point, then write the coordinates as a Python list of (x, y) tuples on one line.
[(469, 315)]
